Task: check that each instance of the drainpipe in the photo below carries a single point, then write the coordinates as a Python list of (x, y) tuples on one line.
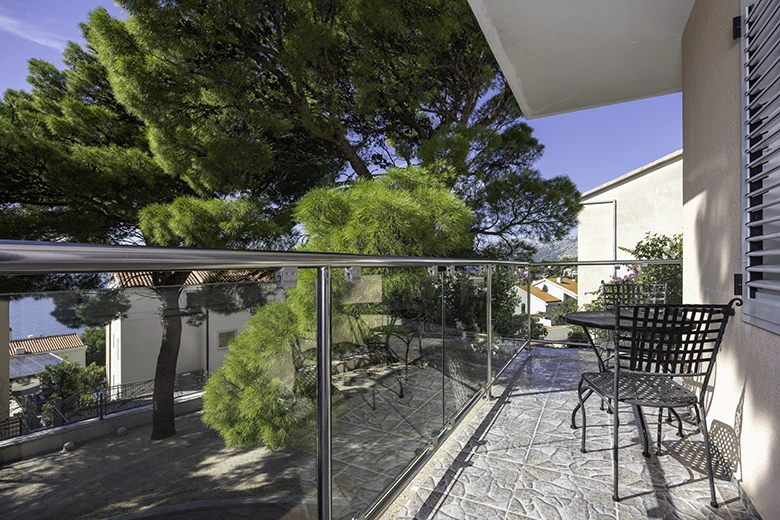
[(207, 342)]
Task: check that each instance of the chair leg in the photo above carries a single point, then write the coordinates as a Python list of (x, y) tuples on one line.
[(641, 415), (701, 418), (615, 426), (660, 422), (576, 408), (672, 411), (582, 411)]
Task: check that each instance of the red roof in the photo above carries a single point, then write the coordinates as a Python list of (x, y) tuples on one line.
[(535, 291), (566, 283), (144, 278), (45, 344)]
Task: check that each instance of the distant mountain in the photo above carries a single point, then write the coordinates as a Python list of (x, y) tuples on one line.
[(557, 249)]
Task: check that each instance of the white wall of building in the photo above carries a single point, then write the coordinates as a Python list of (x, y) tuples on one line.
[(620, 213), (554, 290), (77, 355), (537, 305), (744, 412), (135, 339)]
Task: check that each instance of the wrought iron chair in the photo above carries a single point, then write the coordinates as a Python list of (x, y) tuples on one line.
[(612, 295), (654, 344), (615, 294)]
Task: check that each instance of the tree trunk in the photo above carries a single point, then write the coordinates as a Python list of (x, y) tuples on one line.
[(163, 424)]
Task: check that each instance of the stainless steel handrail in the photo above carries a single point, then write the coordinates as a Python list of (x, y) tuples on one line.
[(20, 257)]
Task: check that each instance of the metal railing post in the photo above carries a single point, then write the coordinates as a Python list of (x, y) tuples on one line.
[(489, 281), (324, 417), (528, 302)]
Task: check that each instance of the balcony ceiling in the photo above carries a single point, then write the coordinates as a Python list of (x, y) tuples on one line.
[(562, 55)]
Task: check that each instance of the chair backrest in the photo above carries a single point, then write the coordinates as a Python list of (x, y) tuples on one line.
[(615, 294), (678, 340)]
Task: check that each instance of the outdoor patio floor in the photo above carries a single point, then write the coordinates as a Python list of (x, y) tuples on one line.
[(519, 458)]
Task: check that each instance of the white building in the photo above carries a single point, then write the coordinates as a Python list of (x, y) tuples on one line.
[(620, 212), (133, 341), (561, 288), (63, 346), (541, 301)]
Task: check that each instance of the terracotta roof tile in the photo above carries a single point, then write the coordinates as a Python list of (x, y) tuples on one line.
[(144, 278), (566, 283), (45, 344), (535, 291)]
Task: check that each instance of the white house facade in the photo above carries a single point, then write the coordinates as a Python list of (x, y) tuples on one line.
[(133, 341), (561, 288), (619, 213), (541, 302)]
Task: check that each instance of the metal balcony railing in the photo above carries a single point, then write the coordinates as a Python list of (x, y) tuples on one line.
[(26, 258)]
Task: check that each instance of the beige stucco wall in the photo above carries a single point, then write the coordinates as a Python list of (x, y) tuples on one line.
[(745, 406), (649, 199), (77, 355)]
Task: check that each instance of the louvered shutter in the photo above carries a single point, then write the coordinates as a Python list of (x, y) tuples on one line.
[(761, 161)]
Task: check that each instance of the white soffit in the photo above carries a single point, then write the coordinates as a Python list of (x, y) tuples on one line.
[(566, 55)]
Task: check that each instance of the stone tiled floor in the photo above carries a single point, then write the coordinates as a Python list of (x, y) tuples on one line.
[(388, 416), (520, 459)]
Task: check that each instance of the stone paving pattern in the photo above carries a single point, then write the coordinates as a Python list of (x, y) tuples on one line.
[(377, 433), (520, 459), (517, 459)]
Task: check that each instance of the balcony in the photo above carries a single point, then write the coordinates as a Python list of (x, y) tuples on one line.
[(413, 415)]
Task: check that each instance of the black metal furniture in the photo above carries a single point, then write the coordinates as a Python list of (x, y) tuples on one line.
[(654, 345), (615, 294), (605, 320)]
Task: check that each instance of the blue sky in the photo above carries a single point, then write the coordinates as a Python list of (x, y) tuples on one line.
[(592, 146)]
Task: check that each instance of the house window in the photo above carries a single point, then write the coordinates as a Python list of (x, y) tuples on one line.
[(224, 338), (522, 308), (761, 162)]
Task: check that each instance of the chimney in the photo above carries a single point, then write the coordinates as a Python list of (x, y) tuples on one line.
[(559, 279)]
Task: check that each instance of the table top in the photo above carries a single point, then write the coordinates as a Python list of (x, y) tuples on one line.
[(592, 319)]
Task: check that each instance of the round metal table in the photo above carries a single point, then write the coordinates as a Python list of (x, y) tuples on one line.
[(591, 319)]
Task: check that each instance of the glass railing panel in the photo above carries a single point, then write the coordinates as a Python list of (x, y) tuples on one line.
[(560, 289), (510, 320), (246, 442), (464, 337), (386, 377)]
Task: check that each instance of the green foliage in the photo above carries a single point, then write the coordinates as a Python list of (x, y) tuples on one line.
[(263, 391), (402, 213), (79, 163), (568, 305), (577, 333), (238, 95), (68, 378), (95, 340), (201, 124), (655, 246), (262, 394), (554, 271), (77, 309)]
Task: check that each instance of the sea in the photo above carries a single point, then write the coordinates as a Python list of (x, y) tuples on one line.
[(32, 318)]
